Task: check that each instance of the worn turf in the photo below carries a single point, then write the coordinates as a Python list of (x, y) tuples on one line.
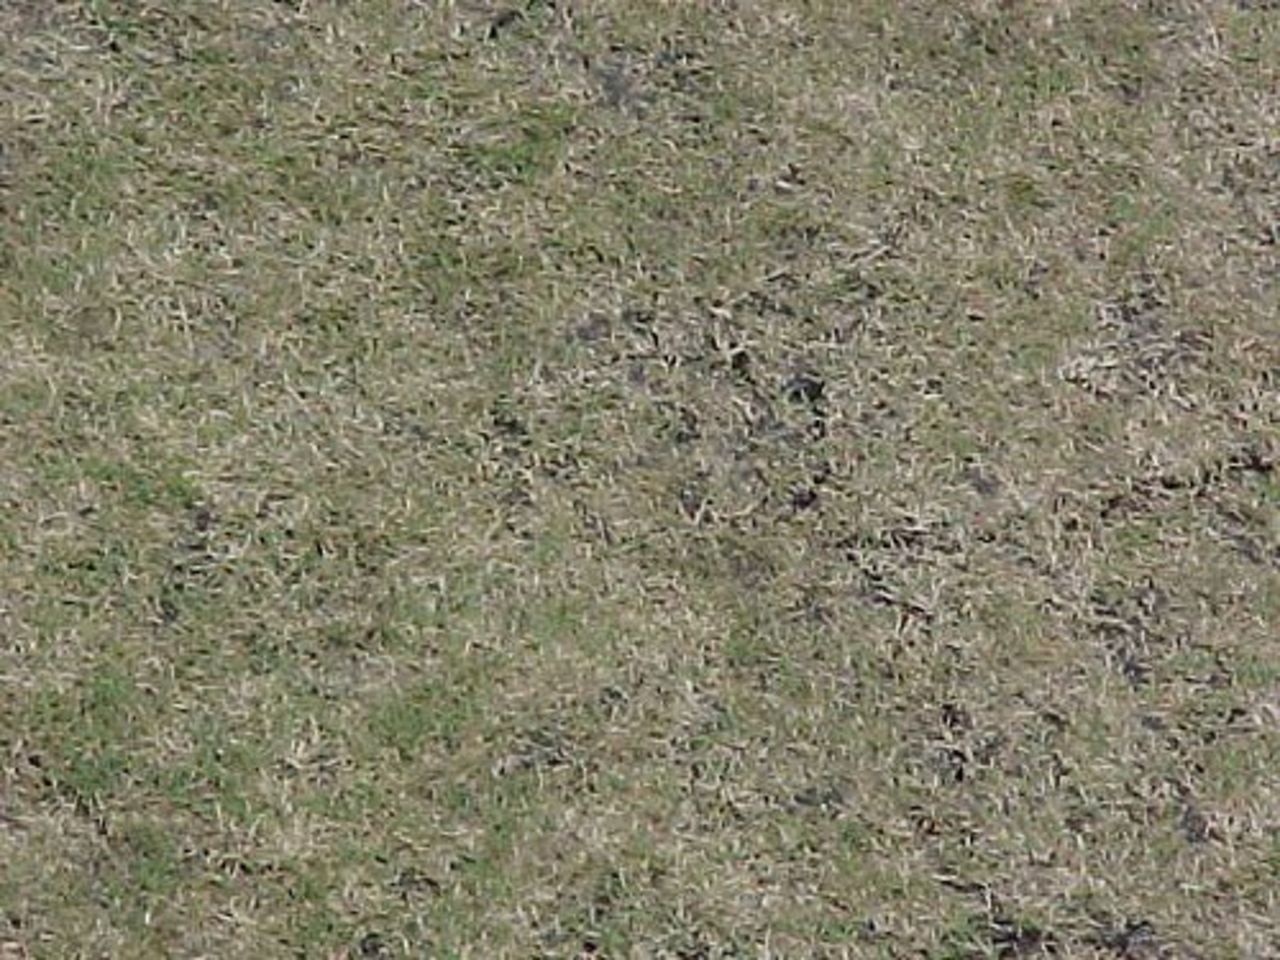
[(636, 479)]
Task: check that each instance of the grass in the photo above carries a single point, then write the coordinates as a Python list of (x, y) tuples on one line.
[(566, 480)]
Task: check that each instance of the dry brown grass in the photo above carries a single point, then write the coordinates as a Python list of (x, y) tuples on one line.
[(609, 479)]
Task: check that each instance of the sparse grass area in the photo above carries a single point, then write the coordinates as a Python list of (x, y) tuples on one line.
[(700, 479)]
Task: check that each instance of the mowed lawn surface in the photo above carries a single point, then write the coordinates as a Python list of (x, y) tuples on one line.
[(635, 479)]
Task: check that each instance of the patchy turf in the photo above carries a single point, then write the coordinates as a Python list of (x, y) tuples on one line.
[(614, 479)]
